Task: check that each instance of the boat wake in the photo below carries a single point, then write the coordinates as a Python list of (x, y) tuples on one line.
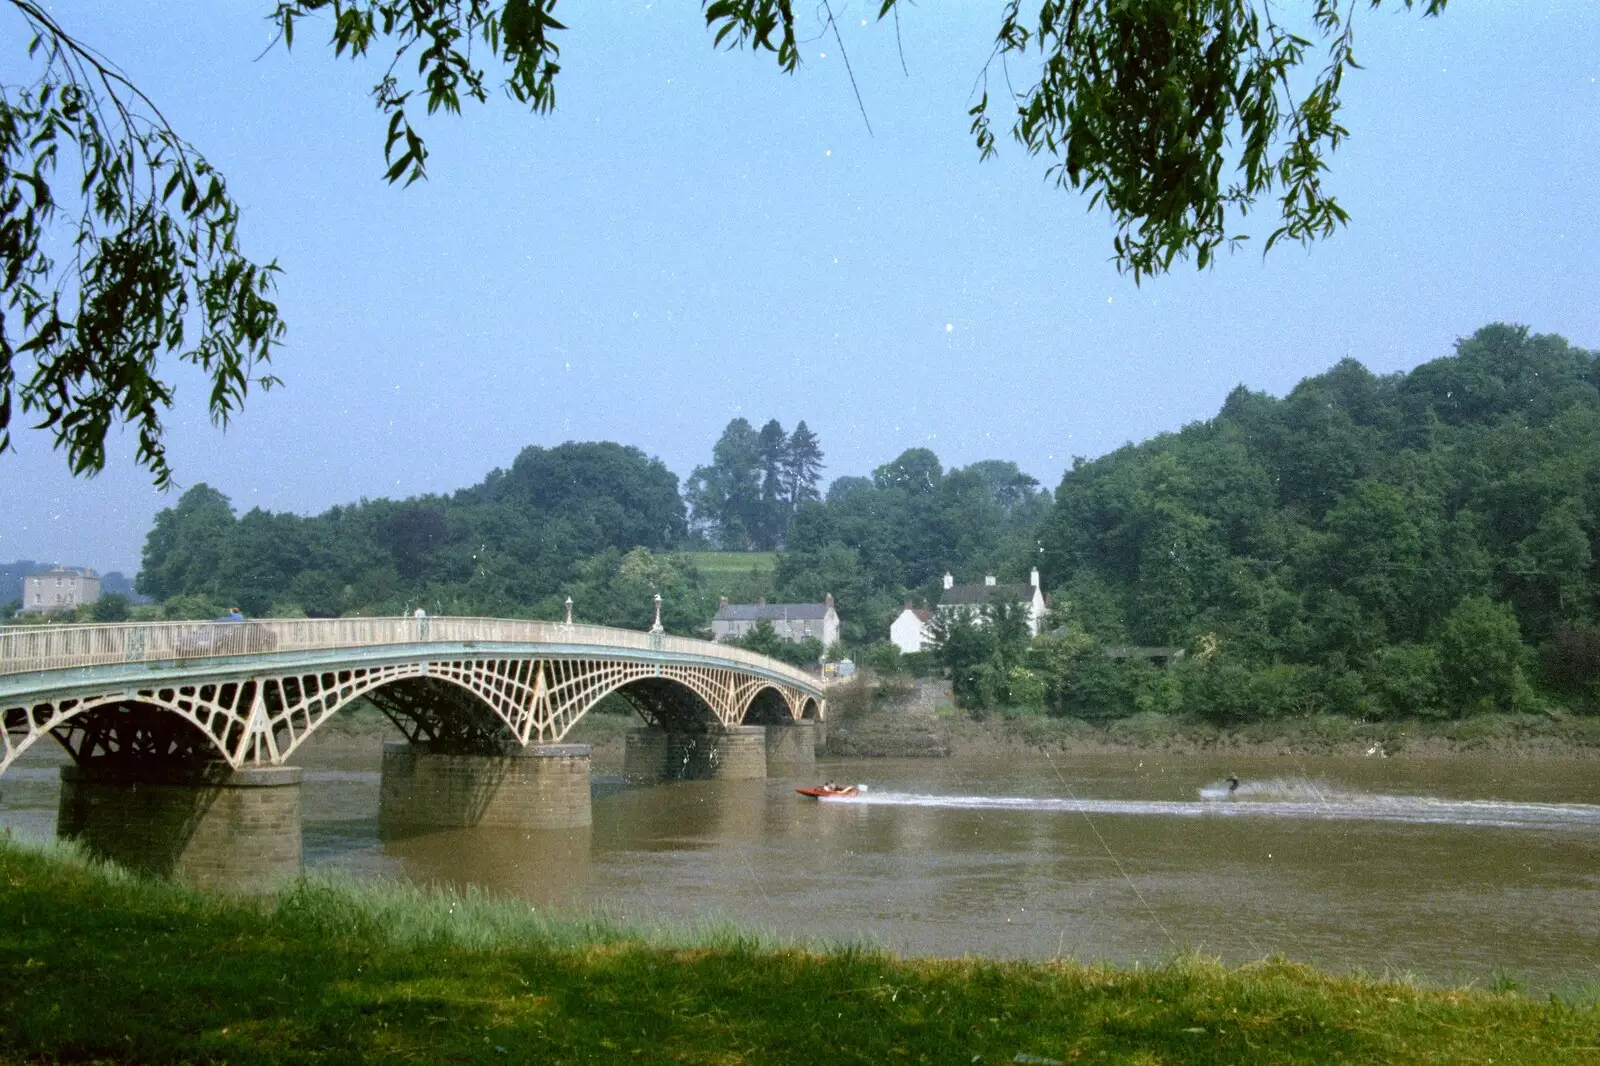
[(1303, 799)]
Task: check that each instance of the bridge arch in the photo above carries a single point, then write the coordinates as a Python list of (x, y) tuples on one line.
[(137, 725), (670, 703), (769, 705)]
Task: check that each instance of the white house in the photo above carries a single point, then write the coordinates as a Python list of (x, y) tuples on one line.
[(972, 597), (794, 622), (908, 631), (59, 589)]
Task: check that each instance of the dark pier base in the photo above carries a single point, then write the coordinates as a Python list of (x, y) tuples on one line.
[(217, 829), (735, 754), (541, 787), (791, 749)]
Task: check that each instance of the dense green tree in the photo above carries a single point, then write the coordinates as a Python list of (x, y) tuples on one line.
[(1481, 658), (110, 608), (725, 496), (802, 466), (771, 523), (618, 588), (984, 652), (917, 472), (1334, 542), (503, 546), (185, 550), (746, 498)]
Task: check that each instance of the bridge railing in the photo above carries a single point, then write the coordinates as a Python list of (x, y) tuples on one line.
[(24, 649)]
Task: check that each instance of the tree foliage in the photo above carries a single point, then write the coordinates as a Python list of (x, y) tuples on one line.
[(1176, 117), (119, 246), (1368, 545), (1145, 106), (1391, 546), (745, 499), (563, 520)]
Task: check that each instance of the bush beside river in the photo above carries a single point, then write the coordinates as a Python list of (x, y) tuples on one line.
[(103, 967)]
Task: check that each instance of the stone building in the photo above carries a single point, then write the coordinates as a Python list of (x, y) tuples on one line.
[(974, 597), (794, 622), (59, 589)]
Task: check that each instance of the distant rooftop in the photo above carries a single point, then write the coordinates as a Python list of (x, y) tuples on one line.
[(769, 612), (981, 594)]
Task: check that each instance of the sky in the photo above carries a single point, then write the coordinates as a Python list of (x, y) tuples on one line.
[(694, 236)]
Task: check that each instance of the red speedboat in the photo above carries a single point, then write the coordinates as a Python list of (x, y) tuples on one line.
[(821, 791)]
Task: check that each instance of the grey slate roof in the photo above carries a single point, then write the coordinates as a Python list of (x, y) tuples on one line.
[(771, 612), (958, 595)]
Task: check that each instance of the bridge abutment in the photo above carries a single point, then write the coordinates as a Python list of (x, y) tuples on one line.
[(544, 786), (216, 828), (736, 753), (791, 749)]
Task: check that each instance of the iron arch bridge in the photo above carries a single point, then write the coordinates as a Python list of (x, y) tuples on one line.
[(177, 694)]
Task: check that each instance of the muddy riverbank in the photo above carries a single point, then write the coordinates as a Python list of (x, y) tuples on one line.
[(924, 725)]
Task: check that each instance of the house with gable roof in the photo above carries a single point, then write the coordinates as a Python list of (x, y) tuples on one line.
[(793, 622), (956, 597), (909, 630)]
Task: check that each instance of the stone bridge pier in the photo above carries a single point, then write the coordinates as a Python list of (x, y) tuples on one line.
[(147, 791), (728, 753), (460, 768), (685, 742), (215, 828)]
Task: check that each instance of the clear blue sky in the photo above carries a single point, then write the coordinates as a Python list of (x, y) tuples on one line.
[(695, 236)]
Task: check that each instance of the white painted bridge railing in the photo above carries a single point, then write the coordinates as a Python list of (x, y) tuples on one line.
[(25, 649)]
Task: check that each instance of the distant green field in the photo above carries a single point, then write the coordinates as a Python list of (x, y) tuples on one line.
[(733, 564)]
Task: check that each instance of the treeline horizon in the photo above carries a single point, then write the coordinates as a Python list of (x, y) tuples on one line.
[(1330, 545)]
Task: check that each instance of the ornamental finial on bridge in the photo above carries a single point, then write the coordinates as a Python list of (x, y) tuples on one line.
[(569, 610), (655, 627)]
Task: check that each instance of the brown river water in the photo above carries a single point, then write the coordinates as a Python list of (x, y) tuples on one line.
[(1452, 869)]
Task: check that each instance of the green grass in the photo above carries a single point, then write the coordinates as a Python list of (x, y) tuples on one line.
[(98, 966), (732, 564)]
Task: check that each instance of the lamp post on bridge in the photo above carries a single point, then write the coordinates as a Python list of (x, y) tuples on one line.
[(569, 610), (655, 627)]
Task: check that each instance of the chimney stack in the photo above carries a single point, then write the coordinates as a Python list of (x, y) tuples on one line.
[(1033, 577), (722, 601), (827, 601), (988, 579), (949, 580)]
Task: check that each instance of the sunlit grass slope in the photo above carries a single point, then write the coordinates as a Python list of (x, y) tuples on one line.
[(732, 564), (98, 966)]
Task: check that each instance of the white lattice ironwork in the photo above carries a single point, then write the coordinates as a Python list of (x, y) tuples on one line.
[(262, 717), (26, 649)]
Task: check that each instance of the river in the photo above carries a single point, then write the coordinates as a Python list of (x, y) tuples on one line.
[(1454, 869)]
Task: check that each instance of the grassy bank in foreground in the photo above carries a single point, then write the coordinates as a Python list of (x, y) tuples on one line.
[(99, 966)]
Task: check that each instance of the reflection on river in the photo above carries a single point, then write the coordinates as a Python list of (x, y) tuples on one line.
[(1448, 868)]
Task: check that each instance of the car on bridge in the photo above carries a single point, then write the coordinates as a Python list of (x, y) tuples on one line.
[(226, 636)]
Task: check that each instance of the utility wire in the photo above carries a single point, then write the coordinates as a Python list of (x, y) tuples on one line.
[(846, 57), (1111, 854)]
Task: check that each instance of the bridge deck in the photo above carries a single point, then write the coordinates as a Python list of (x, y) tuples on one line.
[(255, 690), (34, 649)]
